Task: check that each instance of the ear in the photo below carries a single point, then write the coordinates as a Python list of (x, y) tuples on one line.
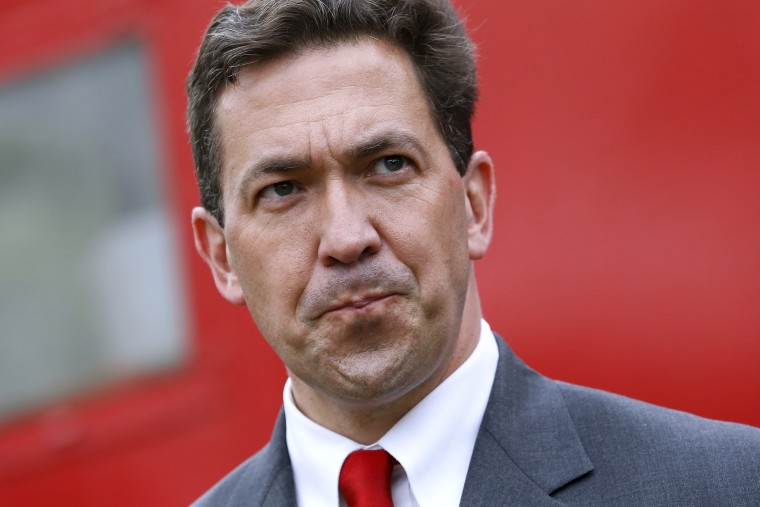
[(212, 247), (481, 191)]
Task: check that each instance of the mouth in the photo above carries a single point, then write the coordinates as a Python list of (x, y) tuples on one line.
[(363, 290), (360, 304)]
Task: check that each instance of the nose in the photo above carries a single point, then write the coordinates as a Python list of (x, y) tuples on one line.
[(347, 233)]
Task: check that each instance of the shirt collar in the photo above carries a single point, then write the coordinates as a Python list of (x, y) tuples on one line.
[(433, 442)]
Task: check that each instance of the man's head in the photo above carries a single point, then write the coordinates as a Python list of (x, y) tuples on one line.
[(429, 31), (349, 232)]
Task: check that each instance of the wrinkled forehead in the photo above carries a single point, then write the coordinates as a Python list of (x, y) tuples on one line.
[(320, 62), (320, 95)]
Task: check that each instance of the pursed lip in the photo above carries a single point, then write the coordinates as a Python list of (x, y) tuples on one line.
[(357, 302)]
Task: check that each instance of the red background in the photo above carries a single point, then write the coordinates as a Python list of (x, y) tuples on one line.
[(626, 251)]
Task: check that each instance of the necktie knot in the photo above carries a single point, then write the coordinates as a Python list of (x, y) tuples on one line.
[(365, 478)]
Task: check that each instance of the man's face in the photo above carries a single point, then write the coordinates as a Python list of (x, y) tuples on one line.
[(348, 231)]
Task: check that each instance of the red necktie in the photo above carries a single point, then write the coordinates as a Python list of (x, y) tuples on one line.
[(365, 479)]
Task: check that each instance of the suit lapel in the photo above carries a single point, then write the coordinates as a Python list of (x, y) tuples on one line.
[(279, 486), (527, 445)]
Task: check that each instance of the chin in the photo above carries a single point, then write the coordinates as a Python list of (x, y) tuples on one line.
[(379, 376)]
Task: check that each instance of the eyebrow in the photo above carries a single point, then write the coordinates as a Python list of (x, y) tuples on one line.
[(385, 141), (366, 148), (270, 165)]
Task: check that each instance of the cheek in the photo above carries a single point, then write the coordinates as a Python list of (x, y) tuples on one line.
[(443, 217), (273, 267), (428, 231), (447, 242)]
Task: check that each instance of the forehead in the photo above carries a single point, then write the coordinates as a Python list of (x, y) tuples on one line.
[(371, 66), (320, 98)]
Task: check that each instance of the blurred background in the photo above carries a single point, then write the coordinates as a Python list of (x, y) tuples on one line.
[(626, 137)]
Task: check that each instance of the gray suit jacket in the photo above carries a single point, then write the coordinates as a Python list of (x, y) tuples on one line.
[(548, 443)]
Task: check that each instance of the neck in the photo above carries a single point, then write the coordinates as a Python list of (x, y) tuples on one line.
[(366, 421)]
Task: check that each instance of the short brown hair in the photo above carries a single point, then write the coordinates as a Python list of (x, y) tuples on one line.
[(430, 31)]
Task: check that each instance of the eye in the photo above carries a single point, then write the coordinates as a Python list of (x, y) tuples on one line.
[(283, 188), (390, 164), (280, 189)]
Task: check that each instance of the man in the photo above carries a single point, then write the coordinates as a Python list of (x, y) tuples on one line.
[(343, 204)]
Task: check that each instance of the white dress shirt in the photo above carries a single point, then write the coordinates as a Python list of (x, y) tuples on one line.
[(432, 443)]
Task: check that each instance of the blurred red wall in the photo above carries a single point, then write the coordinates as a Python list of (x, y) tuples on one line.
[(625, 136)]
